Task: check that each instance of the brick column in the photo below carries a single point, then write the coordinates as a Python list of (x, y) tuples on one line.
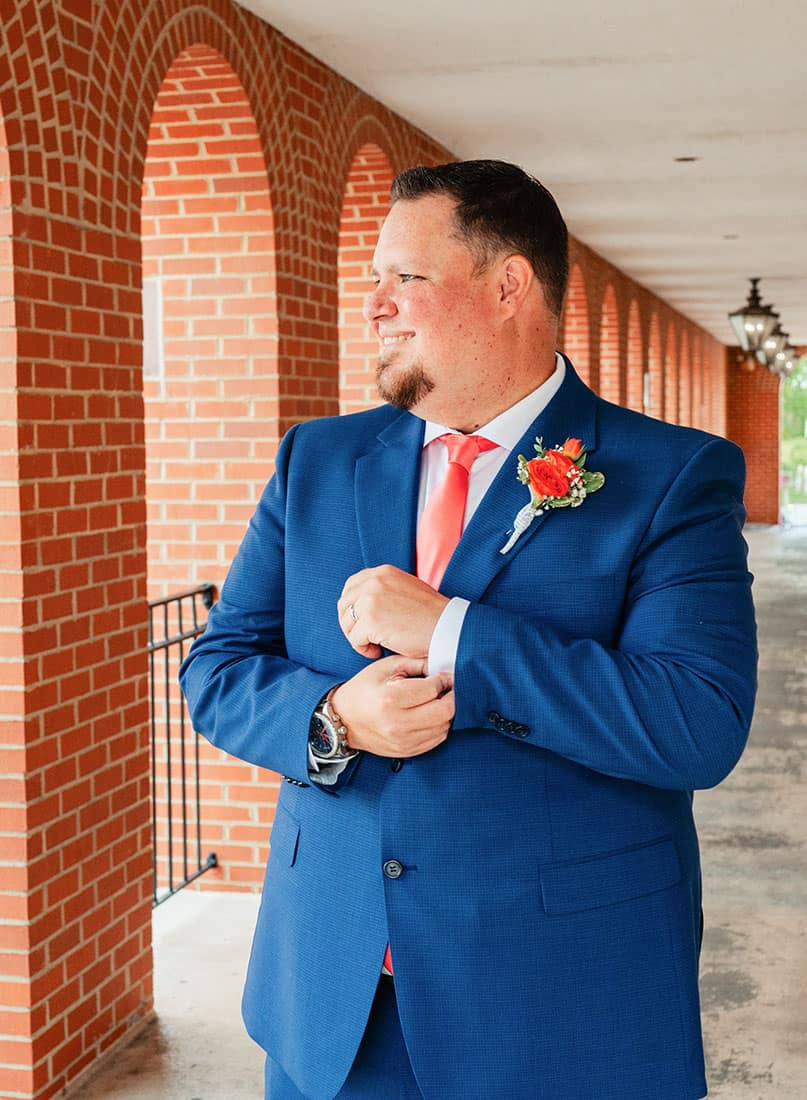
[(612, 384), (753, 422)]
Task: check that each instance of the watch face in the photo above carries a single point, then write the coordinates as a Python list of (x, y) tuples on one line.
[(319, 737)]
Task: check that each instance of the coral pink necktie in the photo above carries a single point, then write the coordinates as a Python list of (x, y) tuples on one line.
[(442, 520), (443, 517)]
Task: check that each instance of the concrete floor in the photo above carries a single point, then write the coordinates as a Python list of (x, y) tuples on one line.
[(753, 830)]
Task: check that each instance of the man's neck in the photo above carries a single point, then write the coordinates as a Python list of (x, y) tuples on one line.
[(479, 412)]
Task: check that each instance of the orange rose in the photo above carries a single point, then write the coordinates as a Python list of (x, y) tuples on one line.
[(573, 448), (561, 462), (546, 480)]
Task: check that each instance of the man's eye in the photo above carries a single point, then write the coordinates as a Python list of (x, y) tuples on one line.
[(405, 278)]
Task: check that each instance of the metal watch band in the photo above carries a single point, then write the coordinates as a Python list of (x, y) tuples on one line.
[(328, 716)]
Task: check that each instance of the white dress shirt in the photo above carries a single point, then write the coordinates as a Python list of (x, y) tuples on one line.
[(505, 431)]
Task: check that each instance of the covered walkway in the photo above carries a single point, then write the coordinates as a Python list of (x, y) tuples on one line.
[(754, 966)]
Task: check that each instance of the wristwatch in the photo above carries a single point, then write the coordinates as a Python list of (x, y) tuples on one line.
[(327, 736)]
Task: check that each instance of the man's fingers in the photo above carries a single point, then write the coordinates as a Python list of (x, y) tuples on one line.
[(396, 667), (416, 690)]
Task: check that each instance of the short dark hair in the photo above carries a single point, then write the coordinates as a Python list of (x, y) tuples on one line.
[(499, 206)]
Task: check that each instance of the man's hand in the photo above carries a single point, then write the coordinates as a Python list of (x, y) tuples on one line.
[(387, 608), (391, 708)]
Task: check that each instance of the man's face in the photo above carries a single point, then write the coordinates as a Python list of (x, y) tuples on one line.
[(433, 314)]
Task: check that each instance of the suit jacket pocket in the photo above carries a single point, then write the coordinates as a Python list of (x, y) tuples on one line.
[(611, 877), (284, 839)]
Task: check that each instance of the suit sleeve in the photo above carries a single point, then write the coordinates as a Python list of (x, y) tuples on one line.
[(244, 693), (671, 703)]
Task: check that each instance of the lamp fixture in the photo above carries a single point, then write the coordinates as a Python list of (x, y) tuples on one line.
[(762, 337), (773, 344), (784, 362), (754, 322)]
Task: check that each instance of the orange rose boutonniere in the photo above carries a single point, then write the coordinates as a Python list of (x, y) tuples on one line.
[(557, 478)]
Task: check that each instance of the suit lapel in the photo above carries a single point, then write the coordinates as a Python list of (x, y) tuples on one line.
[(477, 558), (386, 483)]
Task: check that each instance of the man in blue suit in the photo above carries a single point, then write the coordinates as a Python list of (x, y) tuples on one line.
[(490, 745)]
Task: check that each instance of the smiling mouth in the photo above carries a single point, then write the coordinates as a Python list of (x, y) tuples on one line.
[(390, 341)]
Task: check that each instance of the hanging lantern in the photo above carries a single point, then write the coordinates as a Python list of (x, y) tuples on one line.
[(772, 345), (754, 322)]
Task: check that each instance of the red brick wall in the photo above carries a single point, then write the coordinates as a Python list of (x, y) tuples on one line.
[(614, 327), (76, 963), (159, 129), (15, 937), (613, 366), (208, 245), (575, 326), (654, 402), (671, 378), (365, 206), (211, 408), (635, 359), (685, 381), (753, 417)]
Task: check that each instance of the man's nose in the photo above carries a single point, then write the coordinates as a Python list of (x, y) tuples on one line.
[(378, 304)]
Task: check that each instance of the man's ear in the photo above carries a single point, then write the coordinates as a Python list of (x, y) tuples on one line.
[(516, 280)]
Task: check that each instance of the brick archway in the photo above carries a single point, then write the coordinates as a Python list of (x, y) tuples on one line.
[(576, 339), (670, 376), (698, 401), (210, 324), (365, 206), (611, 387), (635, 358), (684, 381), (654, 374), (81, 85), (22, 889), (211, 406)]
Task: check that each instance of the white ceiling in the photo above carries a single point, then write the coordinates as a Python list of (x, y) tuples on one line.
[(597, 98)]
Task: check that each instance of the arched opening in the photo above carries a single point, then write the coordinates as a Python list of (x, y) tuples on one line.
[(670, 377), (635, 359), (709, 372), (211, 397), (684, 381), (653, 397), (698, 412), (23, 830), (576, 329), (365, 206), (610, 360)]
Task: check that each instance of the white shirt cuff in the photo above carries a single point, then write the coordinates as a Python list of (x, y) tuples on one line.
[(326, 772), (446, 637)]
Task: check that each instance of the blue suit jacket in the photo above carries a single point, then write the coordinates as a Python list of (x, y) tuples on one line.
[(547, 925)]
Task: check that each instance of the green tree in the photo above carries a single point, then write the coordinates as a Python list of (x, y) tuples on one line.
[(794, 435)]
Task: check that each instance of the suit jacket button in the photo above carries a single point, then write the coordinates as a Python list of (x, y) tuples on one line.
[(396, 765), (393, 868)]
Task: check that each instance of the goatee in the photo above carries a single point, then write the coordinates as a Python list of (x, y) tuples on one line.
[(405, 390)]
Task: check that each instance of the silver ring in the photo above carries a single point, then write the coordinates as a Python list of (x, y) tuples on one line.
[(353, 614)]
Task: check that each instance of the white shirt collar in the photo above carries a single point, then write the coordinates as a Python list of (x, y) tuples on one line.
[(508, 427)]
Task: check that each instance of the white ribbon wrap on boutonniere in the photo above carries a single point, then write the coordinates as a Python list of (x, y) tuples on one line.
[(557, 478)]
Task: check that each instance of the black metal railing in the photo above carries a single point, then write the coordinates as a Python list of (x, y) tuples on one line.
[(175, 783)]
